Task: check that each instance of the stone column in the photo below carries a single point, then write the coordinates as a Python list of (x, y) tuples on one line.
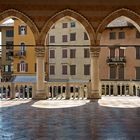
[(94, 54), (40, 85)]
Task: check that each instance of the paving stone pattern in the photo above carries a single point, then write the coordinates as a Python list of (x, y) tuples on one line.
[(96, 120)]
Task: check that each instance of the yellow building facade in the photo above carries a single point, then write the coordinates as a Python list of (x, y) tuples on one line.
[(24, 49)]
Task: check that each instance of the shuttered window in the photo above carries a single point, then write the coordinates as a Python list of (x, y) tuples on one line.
[(121, 52), (52, 70), (137, 52), (72, 69), (112, 52), (72, 53), (86, 69), (121, 72), (64, 53), (112, 72), (137, 73), (64, 69)]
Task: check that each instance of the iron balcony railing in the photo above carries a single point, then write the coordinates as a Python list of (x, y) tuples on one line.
[(19, 54), (116, 59)]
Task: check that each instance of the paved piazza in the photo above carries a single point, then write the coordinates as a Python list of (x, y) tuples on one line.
[(111, 118)]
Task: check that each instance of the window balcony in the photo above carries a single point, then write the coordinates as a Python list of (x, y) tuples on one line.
[(20, 54), (116, 59)]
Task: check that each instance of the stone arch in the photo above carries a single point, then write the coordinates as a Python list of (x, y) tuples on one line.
[(133, 17), (23, 17), (73, 14)]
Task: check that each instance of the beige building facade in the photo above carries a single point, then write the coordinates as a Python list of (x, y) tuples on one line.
[(68, 46)]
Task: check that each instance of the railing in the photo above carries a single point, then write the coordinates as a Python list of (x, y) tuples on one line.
[(19, 54), (67, 90), (116, 60), (10, 90), (122, 88)]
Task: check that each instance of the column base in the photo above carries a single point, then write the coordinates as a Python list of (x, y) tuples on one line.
[(40, 95), (94, 95)]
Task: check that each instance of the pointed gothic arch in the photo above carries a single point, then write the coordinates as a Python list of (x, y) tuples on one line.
[(73, 14), (23, 17), (130, 15)]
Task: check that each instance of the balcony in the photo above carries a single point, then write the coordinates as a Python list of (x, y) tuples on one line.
[(20, 54), (118, 60)]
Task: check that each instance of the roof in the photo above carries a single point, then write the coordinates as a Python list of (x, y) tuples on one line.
[(119, 22)]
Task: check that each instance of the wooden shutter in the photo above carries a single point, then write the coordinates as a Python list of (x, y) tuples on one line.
[(35, 67), (18, 67), (26, 67)]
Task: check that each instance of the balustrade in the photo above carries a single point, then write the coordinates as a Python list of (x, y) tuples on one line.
[(121, 88)]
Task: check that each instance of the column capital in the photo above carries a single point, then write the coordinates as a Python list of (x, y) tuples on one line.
[(95, 51), (40, 51)]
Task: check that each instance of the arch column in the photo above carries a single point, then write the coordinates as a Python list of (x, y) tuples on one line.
[(94, 55), (40, 75)]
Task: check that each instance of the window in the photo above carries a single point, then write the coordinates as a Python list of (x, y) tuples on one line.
[(7, 68), (22, 30), (85, 36), (22, 49), (121, 52), (137, 34), (52, 70), (64, 25), (112, 52), (22, 67), (52, 39), (64, 69), (112, 72), (86, 53), (9, 44), (64, 38), (72, 24), (72, 53), (52, 53), (112, 35), (121, 72), (121, 35), (64, 53), (137, 73), (86, 69), (9, 55), (9, 33), (72, 36), (137, 52), (72, 69)]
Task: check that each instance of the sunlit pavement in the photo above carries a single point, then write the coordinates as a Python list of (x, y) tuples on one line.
[(111, 118)]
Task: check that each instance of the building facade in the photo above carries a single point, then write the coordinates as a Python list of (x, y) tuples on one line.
[(7, 38), (120, 53), (24, 50), (69, 56)]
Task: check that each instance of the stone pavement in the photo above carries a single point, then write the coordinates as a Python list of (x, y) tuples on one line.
[(111, 118)]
